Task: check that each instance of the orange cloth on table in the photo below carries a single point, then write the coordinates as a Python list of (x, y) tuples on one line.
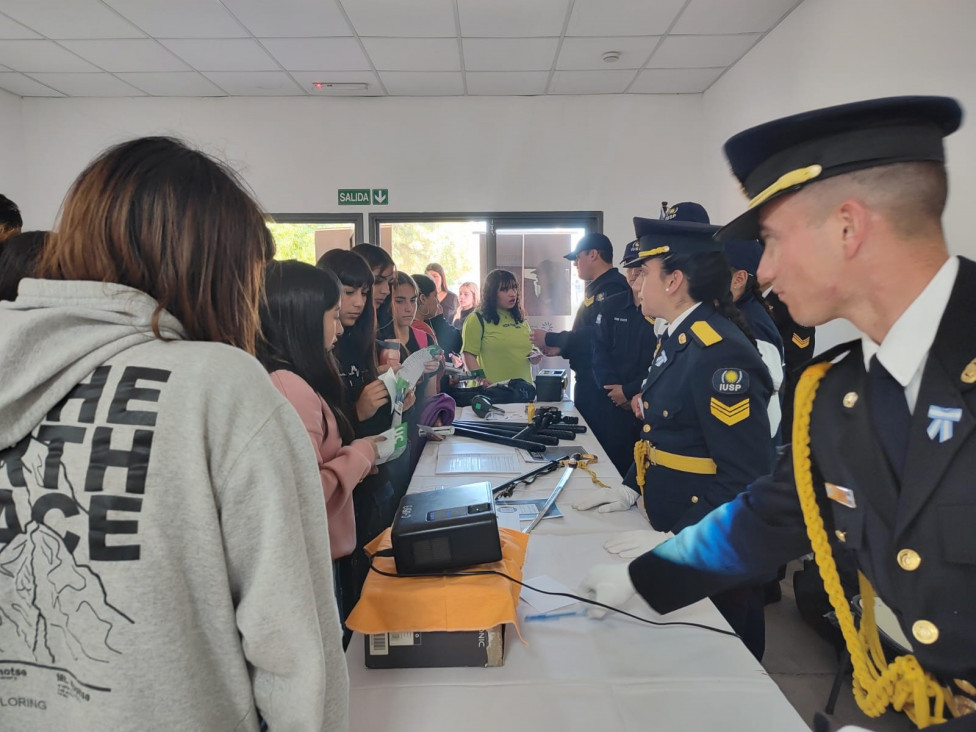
[(427, 604)]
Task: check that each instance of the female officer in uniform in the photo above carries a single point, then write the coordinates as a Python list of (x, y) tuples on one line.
[(705, 433)]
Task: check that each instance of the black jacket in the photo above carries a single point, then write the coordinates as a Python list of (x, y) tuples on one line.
[(931, 513)]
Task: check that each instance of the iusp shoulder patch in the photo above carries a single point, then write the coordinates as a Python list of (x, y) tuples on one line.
[(730, 381), (705, 333)]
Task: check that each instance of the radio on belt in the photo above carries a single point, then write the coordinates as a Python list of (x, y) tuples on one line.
[(445, 529)]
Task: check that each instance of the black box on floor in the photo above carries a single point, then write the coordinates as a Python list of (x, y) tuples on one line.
[(436, 649)]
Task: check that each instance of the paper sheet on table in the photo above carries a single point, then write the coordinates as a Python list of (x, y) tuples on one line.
[(508, 517), (478, 464), (454, 447), (546, 603)]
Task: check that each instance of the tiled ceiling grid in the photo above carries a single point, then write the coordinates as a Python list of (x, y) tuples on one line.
[(186, 48)]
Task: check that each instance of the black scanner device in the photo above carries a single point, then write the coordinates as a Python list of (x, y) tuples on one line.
[(446, 529)]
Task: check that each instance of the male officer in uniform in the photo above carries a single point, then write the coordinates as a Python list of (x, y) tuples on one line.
[(848, 201), (593, 257), (623, 346)]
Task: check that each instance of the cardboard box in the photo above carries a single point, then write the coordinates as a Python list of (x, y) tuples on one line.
[(436, 650)]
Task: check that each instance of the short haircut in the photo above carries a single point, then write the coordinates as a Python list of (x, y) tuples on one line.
[(158, 216), (605, 255), (425, 284), (910, 196)]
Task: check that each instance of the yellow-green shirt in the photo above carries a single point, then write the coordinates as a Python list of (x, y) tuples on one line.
[(502, 348)]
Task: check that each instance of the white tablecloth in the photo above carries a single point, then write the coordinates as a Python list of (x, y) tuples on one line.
[(574, 673)]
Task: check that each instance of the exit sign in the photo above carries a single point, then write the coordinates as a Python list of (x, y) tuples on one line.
[(364, 196)]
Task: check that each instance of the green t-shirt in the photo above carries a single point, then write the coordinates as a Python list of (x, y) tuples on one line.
[(502, 348)]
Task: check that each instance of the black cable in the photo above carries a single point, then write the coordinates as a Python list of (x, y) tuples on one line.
[(389, 553)]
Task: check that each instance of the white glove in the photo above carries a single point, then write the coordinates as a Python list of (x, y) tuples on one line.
[(630, 544), (615, 498), (609, 584)]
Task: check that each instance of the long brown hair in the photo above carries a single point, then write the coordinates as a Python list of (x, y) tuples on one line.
[(174, 223)]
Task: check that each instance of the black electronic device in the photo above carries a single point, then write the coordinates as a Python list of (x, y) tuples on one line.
[(445, 529), (549, 385)]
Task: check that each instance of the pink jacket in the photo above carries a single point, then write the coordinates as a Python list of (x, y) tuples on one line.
[(341, 468)]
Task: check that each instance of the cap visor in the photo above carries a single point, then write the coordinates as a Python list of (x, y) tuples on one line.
[(571, 256), (744, 226)]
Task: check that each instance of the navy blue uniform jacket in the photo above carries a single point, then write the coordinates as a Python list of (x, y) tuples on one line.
[(623, 344), (932, 513), (706, 401)]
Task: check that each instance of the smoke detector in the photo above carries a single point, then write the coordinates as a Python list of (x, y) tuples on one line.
[(611, 57)]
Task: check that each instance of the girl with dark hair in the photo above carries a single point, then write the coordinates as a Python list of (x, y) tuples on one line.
[(496, 338), (448, 300), (705, 429), (300, 323), (383, 270), (19, 256), (135, 337)]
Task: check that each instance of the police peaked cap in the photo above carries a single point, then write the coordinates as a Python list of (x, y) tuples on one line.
[(786, 154), (659, 238)]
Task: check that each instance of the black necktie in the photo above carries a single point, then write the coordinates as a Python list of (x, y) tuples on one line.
[(889, 414)]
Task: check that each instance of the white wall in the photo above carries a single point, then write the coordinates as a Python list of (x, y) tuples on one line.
[(835, 51), (619, 154), (12, 182)]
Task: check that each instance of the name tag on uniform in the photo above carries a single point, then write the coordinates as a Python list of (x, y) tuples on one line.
[(661, 359), (843, 496)]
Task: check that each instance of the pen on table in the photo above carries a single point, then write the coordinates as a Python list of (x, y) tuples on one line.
[(553, 616)]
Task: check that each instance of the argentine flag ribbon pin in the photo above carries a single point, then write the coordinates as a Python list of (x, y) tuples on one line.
[(942, 421)]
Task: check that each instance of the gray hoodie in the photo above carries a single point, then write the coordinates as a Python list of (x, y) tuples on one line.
[(164, 553)]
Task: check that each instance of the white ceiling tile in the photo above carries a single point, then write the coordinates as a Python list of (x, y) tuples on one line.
[(590, 82), (674, 81), (622, 17), (255, 83), (742, 16), (413, 54), (341, 54), (138, 54), (587, 53), (88, 85), (70, 19), (397, 18), (173, 84), (24, 86), (223, 54), (509, 54), (12, 29), (180, 18), (686, 52), (512, 18), (290, 18), (307, 80), (422, 83), (507, 83), (40, 56)]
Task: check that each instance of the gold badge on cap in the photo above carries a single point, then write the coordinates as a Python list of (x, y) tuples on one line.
[(969, 373)]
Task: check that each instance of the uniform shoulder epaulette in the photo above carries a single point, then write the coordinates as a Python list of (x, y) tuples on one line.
[(704, 333)]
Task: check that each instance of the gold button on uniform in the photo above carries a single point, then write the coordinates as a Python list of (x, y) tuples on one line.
[(841, 535), (694, 499), (909, 560), (664, 413), (850, 399), (647, 428), (682, 339), (925, 631), (646, 405)]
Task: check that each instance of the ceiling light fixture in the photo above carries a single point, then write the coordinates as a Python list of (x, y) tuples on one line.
[(340, 85), (611, 57)]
